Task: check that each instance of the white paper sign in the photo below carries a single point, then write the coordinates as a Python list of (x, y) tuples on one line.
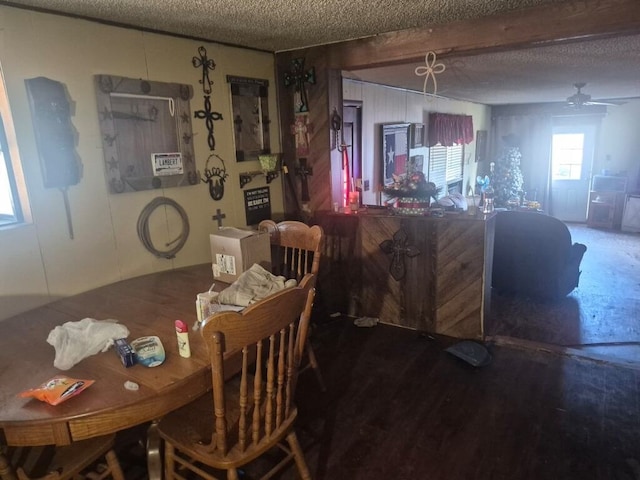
[(164, 164)]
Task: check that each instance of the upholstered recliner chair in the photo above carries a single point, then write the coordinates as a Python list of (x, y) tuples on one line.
[(534, 256)]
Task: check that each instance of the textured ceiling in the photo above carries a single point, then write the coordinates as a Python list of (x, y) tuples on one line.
[(611, 68), (277, 25)]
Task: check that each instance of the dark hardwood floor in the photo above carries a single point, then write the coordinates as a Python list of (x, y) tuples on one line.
[(398, 406), (601, 316)]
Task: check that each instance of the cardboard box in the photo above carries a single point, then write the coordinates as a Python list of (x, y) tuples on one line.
[(234, 250)]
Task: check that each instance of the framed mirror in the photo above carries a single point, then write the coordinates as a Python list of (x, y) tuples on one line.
[(395, 150), (250, 105), (146, 133)]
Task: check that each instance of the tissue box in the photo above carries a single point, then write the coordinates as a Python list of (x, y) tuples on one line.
[(234, 250)]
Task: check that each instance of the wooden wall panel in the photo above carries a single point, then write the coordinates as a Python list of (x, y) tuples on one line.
[(459, 279), (322, 96)]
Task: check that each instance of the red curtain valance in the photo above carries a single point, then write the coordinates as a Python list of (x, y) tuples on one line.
[(447, 129)]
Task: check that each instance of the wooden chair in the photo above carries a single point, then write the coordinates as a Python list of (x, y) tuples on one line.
[(61, 463), (296, 250), (254, 411)]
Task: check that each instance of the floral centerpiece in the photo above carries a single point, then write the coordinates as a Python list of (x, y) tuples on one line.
[(411, 194)]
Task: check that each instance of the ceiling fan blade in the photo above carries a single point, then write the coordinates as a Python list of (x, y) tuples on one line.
[(609, 103)]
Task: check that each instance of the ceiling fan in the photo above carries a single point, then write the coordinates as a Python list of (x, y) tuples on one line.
[(580, 99)]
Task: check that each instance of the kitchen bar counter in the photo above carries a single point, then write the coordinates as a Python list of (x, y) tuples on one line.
[(430, 274)]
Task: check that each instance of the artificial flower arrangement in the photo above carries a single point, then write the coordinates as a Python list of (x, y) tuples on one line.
[(412, 185), (411, 193)]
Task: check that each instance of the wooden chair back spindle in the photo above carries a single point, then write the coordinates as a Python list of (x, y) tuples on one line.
[(296, 249), (254, 411)]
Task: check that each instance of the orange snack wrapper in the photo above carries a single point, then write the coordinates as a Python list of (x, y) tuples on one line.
[(57, 389)]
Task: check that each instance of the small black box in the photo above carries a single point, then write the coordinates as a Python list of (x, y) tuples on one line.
[(125, 352)]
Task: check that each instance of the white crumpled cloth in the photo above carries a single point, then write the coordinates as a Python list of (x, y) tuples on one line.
[(253, 285), (74, 341)]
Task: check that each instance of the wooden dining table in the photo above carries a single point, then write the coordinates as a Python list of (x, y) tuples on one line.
[(146, 305)]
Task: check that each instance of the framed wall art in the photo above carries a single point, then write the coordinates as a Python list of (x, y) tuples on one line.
[(394, 150), (250, 104), (146, 133), (417, 135)]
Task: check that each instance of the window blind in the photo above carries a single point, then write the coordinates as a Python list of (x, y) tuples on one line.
[(445, 165)]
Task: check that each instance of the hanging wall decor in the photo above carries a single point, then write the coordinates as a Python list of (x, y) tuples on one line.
[(399, 248), (336, 125), (55, 137), (146, 133), (302, 130), (218, 217), (205, 64), (209, 117), (304, 171), (297, 78), (429, 72), (250, 104), (215, 177), (257, 205), (206, 114), (144, 232)]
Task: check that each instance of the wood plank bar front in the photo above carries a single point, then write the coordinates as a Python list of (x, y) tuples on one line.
[(446, 285)]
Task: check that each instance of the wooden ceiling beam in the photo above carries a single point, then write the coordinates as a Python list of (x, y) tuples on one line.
[(553, 23)]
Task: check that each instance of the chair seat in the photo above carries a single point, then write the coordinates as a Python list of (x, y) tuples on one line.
[(191, 427)]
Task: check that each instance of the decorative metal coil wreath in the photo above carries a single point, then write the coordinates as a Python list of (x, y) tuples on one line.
[(143, 228)]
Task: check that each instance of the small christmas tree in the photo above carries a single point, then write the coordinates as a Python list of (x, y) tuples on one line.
[(506, 178)]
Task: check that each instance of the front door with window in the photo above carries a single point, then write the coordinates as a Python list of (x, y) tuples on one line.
[(571, 159)]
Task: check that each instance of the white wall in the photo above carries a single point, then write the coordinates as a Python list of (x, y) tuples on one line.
[(38, 261), (381, 104), (618, 148)]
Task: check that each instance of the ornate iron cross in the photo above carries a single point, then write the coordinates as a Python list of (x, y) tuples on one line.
[(398, 248), (206, 64), (298, 77), (218, 217), (209, 117), (303, 172)]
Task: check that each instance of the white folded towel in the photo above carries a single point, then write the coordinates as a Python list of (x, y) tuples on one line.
[(74, 341), (254, 285)]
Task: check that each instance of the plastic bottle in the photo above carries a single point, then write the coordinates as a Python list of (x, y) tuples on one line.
[(182, 332)]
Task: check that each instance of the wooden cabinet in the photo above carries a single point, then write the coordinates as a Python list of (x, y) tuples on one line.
[(425, 273), (605, 209)]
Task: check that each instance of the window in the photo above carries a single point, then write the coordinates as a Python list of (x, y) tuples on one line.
[(13, 201), (445, 165), (567, 153)]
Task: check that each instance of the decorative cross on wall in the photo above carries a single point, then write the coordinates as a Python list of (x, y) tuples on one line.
[(298, 77), (218, 217), (209, 117), (398, 248), (206, 64), (302, 129), (303, 171)]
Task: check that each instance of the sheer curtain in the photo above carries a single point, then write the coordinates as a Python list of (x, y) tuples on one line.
[(533, 133)]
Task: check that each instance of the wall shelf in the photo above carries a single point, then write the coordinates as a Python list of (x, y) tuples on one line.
[(246, 177)]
